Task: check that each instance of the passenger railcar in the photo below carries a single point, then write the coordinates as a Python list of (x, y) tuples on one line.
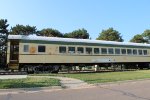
[(36, 52)]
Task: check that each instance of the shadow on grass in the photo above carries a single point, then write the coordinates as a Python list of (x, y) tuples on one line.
[(23, 85), (100, 80), (28, 83)]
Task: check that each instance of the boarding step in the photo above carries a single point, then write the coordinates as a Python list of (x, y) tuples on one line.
[(13, 66), (13, 61)]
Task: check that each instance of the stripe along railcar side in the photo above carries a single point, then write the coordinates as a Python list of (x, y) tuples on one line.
[(49, 53)]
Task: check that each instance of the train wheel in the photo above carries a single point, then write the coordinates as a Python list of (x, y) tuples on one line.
[(55, 69)]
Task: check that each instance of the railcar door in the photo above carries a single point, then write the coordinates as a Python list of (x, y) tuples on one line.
[(14, 51)]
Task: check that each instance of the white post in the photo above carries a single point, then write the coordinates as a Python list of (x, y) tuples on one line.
[(95, 67)]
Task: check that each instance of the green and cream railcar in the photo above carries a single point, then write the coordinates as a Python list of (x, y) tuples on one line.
[(34, 50)]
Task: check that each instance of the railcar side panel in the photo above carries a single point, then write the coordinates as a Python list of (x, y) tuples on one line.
[(80, 59)]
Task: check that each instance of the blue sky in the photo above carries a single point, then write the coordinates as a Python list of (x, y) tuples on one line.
[(129, 17)]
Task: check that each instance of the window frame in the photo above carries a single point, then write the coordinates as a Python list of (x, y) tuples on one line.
[(61, 47), (27, 49), (129, 51), (95, 52), (134, 52), (104, 52), (116, 51), (122, 51), (144, 52), (42, 48), (88, 50), (79, 50), (71, 51), (140, 53), (111, 52)]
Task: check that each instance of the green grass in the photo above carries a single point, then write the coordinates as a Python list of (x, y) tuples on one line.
[(108, 76), (28, 83)]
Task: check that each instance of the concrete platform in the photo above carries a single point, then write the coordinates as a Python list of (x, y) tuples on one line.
[(12, 76)]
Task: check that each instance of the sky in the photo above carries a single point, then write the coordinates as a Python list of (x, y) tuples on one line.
[(129, 17)]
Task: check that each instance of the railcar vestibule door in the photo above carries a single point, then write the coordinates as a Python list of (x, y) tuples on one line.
[(14, 50)]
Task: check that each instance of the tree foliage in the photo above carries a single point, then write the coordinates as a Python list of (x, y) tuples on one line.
[(138, 39), (110, 35), (3, 41), (23, 30), (146, 35), (79, 34), (49, 32)]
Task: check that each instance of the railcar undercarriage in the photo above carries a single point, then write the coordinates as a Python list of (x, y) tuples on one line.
[(55, 68)]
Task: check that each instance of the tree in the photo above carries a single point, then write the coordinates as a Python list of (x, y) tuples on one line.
[(3, 41), (49, 32), (23, 30), (146, 35), (110, 35), (138, 39), (79, 34)]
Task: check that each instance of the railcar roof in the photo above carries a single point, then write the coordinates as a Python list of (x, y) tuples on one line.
[(42, 38)]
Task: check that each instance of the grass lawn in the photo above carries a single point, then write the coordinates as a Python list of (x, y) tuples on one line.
[(28, 83), (108, 76)]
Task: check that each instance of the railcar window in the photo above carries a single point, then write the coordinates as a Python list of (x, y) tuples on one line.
[(80, 50), (145, 52), (140, 52), (110, 50), (129, 51), (134, 52), (62, 49), (104, 50), (117, 51), (41, 48), (26, 48), (96, 51), (71, 49), (88, 50), (123, 51)]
